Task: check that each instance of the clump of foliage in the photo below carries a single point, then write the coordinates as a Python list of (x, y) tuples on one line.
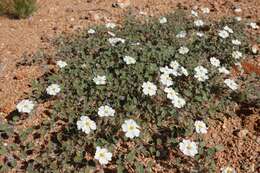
[(58, 146), (18, 8)]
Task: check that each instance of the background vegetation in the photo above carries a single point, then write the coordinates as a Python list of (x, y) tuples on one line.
[(18, 8)]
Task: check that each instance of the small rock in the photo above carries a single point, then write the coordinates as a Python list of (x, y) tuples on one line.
[(97, 16), (238, 10), (55, 28), (2, 66), (69, 10), (255, 49), (258, 140), (142, 13), (122, 3), (243, 133), (83, 17)]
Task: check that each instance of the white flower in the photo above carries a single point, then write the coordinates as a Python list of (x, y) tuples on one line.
[(223, 34), (194, 13), (200, 34), (163, 20), (199, 23), (183, 50), (103, 155), (106, 111), (61, 64), (214, 61), (201, 69), (184, 71), (170, 93), (236, 42), (228, 169), (205, 10), (100, 80), (253, 25), (53, 89), (231, 84), (129, 60), (178, 102), (110, 25), (149, 88), (200, 127), (25, 106), (189, 148), (236, 54), (166, 80), (174, 68), (86, 124), (201, 73), (174, 65), (228, 29), (131, 129), (115, 40), (166, 70), (181, 34), (238, 18), (91, 31), (223, 70)]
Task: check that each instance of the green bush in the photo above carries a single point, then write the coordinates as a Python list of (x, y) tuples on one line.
[(18, 8), (64, 148)]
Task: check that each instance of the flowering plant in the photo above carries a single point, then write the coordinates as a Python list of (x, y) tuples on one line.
[(139, 101)]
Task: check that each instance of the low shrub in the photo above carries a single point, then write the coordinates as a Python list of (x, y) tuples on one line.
[(18, 8), (129, 56)]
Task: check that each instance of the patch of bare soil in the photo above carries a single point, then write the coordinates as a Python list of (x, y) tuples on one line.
[(240, 136)]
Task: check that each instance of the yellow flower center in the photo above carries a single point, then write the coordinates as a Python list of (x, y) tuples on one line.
[(106, 111), (229, 170), (131, 127), (189, 146), (87, 123), (101, 155)]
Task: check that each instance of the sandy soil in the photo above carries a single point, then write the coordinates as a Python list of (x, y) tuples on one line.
[(55, 17)]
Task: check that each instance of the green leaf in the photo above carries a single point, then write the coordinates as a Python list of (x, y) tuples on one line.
[(139, 168), (131, 156), (120, 169), (219, 147)]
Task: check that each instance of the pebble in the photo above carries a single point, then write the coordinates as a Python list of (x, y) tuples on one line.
[(258, 140), (243, 133), (69, 10), (238, 10), (122, 3)]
